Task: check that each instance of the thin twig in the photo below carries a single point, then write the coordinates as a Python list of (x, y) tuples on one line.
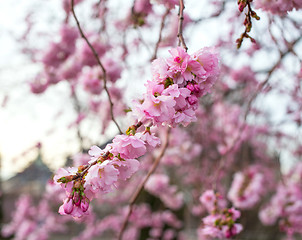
[(99, 63), (162, 25), (85, 168), (180, 23), (141, 186), (247, 23)]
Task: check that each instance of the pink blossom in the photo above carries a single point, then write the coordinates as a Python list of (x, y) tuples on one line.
[(70, 69), (129, 147), (158, 184), (269, 215), (159, 109), (101, 177), (86, 55), (113, 69), (246, 189), (208, 199), (221, 223), (80, 159), (150, 140), (280, 7), (59, 51), (160, 70), (233, 231), (208, 59), (95, 152), (178, 62), (92, 81), (126, 168)]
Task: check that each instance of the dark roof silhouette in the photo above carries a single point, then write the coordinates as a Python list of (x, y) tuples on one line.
[(34, 177)]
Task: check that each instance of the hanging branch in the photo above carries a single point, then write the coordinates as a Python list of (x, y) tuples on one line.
[(247, 21), (180, 23), (142, 185), (99, 63)]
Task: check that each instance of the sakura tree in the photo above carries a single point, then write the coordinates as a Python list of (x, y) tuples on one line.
[(191, 93)]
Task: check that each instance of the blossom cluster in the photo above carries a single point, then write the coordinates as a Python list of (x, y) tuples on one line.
[(246, 189), (106, 167), (32, 221), (285, 206), (158, 184), (171, 98), (71, 59), (280, 7), (221, 223), (178, 82)]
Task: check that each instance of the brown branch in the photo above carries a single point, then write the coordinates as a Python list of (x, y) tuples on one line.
[(162, 25), (180, 23), (99, 63), (142, 184), (85, 168)]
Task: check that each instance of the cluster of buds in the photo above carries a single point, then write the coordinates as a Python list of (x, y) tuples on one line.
[(242, 4), (221, 223), (76, 203)]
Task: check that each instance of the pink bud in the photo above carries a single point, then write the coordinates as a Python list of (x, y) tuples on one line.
[(242, 5), (68, 206), (85, 204), (190, 87), (197, 90), (77, 199), (228, 234)]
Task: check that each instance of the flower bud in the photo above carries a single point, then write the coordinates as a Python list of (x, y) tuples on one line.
[(241, 6), (85, 204), (76, 198), (68, 206), (190, 86)]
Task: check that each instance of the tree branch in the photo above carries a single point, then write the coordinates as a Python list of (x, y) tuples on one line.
[(180, 23), (142, 184), (99, 63)]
